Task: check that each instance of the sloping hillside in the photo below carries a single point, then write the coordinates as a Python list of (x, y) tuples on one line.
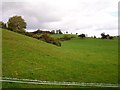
[(88, 60)]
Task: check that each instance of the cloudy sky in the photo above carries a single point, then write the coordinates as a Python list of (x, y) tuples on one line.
[(91, 17)]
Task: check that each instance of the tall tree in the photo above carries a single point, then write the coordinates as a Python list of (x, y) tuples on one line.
[(103, 36), (53, 31), (60, 32), (16, 23), (57, 31)]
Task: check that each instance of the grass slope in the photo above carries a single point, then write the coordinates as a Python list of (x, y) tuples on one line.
[(80, 60)]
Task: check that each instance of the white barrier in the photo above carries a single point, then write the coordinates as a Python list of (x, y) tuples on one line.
[(30, 81)]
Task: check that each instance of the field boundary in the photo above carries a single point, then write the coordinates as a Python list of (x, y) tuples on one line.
[(30, 81)]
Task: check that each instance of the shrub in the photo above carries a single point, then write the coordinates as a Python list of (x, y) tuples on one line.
[(36, 36), (29, 34), (56, 42), (111, 37), (48, 39)]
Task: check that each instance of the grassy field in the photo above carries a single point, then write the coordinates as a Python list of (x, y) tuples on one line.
[(79, 60), (62, 35)]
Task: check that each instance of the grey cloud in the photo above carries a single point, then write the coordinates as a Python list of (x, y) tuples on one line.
[(36, 17)]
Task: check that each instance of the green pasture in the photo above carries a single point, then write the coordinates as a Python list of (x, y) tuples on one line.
[(77, 60)]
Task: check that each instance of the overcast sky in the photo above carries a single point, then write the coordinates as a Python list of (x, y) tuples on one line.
[(91, 17)]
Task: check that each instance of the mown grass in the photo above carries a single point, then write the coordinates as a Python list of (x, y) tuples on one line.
[(80, 60)]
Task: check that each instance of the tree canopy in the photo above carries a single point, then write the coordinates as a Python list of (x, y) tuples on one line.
[(81, 35), (16, 23)]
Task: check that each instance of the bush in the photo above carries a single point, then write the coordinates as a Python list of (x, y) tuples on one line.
[(36, 36), (48, 39), (111, 37), (56, 42), (29, 34)]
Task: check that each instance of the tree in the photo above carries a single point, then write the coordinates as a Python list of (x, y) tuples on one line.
[(111, 37), (57, 31), (53, 31), (16, 23), (94, 36), (2, 25), (103, 36), (82, 35), (60, 32)]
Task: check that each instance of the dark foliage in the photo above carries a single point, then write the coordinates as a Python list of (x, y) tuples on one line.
[(111, 37), (53, 32), (103, 36), (94, 37), (2, 25), (41, 32), (59, 32), (30, 34), (81, 35)]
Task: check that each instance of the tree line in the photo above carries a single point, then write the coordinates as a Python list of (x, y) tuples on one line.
[(103, 36)]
